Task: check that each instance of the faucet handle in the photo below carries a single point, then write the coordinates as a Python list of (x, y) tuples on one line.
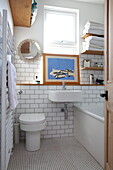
[(63, 85)]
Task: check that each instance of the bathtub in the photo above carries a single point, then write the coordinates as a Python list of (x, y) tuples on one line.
[(89, 129)]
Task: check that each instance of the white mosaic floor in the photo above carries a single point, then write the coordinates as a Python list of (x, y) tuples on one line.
[(55, 154)]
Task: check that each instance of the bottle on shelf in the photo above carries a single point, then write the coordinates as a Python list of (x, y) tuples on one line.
[(91, 79)]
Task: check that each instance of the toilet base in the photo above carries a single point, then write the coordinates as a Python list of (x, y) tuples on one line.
[(32, 141)]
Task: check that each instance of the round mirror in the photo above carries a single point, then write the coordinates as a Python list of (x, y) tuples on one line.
[(28, 50)]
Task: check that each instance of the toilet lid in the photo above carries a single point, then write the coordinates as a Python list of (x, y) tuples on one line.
[(32, 118)]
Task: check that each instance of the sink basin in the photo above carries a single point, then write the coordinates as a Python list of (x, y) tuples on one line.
[(65, 96)]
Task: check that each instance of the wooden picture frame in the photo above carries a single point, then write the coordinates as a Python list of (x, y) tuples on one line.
[(58, 68)]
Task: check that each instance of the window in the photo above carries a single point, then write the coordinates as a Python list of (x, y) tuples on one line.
[(61, 30)]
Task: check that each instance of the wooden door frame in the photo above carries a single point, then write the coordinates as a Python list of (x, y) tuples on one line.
[(105, 77), (108, 137)]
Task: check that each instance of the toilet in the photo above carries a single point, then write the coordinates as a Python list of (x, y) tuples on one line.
[(32, 124)]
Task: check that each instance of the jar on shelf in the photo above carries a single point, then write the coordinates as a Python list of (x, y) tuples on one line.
[(86, 63)]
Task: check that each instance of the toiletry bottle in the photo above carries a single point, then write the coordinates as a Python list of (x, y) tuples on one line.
[(91, 78), (36, 77), (95, 64)]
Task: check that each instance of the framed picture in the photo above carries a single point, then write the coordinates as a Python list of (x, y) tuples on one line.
[(61, 68)]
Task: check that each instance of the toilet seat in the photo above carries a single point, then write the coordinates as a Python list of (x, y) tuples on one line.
[(30, 119)]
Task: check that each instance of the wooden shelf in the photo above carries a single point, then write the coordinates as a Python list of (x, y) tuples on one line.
[(91, 84), (89, 34), (60, 85), (21, 12), (93, 52), (92, 68)]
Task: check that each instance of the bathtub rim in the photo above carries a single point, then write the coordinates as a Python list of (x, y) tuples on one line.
[(100, 118)]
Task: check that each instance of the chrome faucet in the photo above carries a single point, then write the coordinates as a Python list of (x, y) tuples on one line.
[(63, 85)]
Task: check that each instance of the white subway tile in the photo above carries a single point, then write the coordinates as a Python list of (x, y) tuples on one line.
[(71, 126), (29, 70), (29, 78), (56, 136), (48, 119), (33, 96), (95, 91), (46, 101), (95, 100), (68, 131), (85, 87), (53, 105), (56, 127), (69, 122), (24, 87), (43, 105), (39, 110), (43, 87), (64, 135), (51, 114), (48, 110), (48, 128), (38, 91), (51, 123), (51, 87), (25, 96), (30, 101), (56, 118), (20, 70), (21, 101), (60, 131), (64, 127), (29, 110), (52, 132), (89, 100), (21, 110), (38, 101), (60, 123), (36, 87), (34, 106), (47, 136), (29, 91), (56, 109), (43, 96), (25, 106)]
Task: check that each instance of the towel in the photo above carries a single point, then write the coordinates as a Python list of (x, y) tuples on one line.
[(95, 41), (93, 49), (94, 25), (12, 95), (95, 38), (93, 31), (0, 74), (92, 45)]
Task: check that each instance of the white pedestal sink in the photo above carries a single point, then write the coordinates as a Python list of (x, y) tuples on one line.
[(65, 96)]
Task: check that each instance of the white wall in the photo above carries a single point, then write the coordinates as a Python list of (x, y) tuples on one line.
[(4, 4), (94, 12)]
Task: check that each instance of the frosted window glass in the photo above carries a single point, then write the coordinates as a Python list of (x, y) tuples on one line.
[(60, 28)]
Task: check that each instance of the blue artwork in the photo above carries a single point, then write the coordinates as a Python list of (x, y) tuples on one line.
[(61, 68)]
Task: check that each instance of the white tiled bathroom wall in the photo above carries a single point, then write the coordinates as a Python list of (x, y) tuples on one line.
[(85, 74), (34, 99), (26, 70)]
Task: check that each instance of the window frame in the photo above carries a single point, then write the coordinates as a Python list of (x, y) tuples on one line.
[(75, 46)]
